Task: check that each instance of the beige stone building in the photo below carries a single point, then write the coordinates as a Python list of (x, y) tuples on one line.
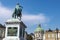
[(2, 31), (52, 35)]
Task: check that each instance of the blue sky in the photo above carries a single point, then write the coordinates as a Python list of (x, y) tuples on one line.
[(44, 12)]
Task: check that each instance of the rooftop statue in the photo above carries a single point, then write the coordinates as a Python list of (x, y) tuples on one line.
[(17, 11)]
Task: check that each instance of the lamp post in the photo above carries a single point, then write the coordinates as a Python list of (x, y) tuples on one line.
[(57, 32)]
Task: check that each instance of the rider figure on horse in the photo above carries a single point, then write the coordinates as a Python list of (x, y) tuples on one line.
[(17, 12)]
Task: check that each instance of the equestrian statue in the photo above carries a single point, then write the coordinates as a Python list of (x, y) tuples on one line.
[(17, 12)]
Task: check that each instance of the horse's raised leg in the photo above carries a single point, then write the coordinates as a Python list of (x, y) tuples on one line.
[(14, 16)]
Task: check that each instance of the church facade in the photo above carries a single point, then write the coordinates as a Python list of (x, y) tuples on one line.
[(38, 33)]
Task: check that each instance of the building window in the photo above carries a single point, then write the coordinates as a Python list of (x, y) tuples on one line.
[(48, 35), (52, 35), (36, 35), (58, 35), (44, 37), (39, 35), (3, 33), (12, 31), (0, 33)]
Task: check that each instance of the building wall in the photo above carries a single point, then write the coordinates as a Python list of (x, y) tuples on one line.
[(2, 33), (52, 35)]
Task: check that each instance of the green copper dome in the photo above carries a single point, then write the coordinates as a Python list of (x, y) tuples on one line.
[(38, 28)]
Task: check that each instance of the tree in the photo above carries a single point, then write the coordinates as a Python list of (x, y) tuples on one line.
[(29, 37)]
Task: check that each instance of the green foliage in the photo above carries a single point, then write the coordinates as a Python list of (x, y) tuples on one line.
[(29, 37)]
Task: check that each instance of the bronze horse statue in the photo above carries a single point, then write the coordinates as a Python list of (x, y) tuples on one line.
[(17, 12)]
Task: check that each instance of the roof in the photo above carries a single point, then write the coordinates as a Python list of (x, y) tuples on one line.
[(50, 30), (38, 29), (32, 34), (2, 26)]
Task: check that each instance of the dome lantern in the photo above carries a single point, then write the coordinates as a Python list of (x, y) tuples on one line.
[(39, 29)]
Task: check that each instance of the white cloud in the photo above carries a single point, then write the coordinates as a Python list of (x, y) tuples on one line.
[(31, 20), (35, 19), (5, 13)]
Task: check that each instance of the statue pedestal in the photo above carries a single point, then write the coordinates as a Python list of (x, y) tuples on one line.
[(14, 30), (13, 38)]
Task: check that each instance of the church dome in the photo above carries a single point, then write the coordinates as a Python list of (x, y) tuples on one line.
[(38, 29)]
